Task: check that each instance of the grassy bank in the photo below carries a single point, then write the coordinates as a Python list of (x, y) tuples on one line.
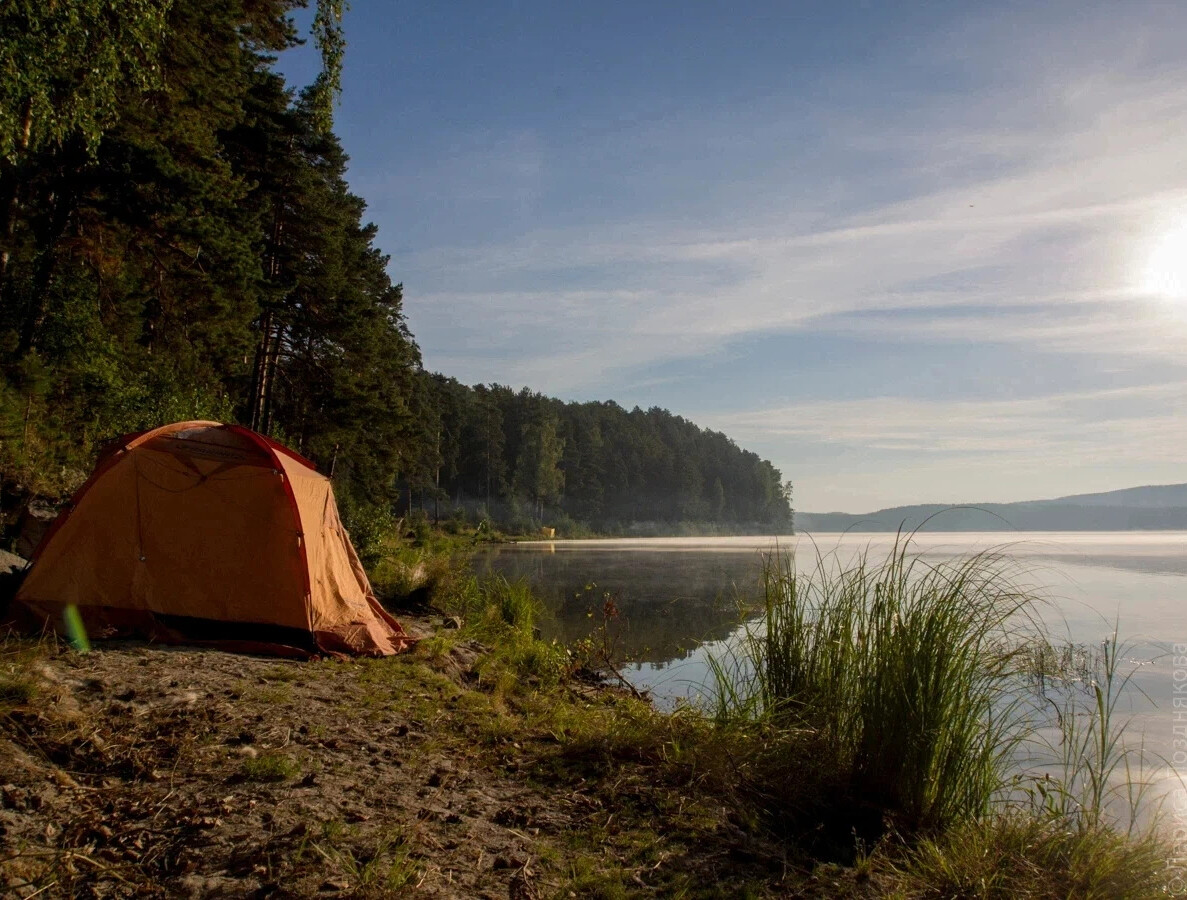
[(860, 749), (877, 719), (895, 704)]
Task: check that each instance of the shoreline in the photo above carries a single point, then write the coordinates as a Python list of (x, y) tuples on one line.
[(485, 762)]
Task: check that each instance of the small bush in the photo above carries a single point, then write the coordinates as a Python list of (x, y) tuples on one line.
[(404, 572), (369, 524), (418, 525), (456, 523)]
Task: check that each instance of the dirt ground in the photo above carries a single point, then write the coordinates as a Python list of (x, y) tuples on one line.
[(139, 770)]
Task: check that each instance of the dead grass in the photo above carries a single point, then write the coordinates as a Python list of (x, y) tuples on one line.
[(1011, 857), (16, 689), (19, 684)]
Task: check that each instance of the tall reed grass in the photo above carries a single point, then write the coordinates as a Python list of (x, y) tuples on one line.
[(899, 673), (1101, 778)]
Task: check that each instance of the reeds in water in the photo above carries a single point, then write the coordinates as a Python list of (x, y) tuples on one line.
[(898, 671)]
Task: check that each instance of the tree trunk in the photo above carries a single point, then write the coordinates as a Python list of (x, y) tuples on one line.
[(262, 371), (258, 369), (270, 365)]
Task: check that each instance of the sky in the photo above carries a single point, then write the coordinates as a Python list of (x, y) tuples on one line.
[(917, 252)]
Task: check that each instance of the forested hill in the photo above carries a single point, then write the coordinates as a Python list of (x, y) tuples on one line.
[(518, 454), (1148, 508), (178, 241)]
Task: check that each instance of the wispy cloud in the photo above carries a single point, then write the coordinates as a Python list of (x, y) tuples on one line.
[(1072, 224), (864, 454), (1094, 426)]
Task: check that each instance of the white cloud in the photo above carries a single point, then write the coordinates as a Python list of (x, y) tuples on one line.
[(1098, 426), (877, 452)]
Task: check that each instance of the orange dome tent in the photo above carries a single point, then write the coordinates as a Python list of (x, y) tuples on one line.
[(206, 532)]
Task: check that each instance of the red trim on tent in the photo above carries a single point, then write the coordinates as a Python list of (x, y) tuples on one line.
[(277, 446)]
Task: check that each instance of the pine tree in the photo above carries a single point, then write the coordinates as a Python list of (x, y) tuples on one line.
[(537, 473)]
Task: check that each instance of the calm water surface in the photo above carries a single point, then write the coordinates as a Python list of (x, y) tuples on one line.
[(679, 598)]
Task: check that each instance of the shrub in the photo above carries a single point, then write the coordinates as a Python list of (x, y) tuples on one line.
[(369, 524)]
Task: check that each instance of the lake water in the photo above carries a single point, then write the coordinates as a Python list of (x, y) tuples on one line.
[(679, 599)]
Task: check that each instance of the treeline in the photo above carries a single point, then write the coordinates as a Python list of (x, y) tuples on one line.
[(178, 240), (525, 459)]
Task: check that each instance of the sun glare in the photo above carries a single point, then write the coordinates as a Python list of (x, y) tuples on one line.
[(1165, 273)]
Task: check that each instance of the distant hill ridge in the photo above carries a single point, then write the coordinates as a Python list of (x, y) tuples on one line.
[(1147, 508)]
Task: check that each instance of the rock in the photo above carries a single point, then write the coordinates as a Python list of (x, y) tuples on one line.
[(32, 525), (10, 563), (12, 797), (12, 572)]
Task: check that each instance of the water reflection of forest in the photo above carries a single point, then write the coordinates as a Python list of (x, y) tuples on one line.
[(668, 602)]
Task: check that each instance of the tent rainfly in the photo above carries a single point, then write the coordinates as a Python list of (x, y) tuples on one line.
[(203, 532)]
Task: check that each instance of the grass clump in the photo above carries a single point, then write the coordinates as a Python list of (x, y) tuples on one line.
[(284, 673), (893, 675), (1100, 777), (376, 863), (589, 877), (16, 689), (503, 615), (419, 574), (18, 685), (496, 608), (1024, 856), (271, 767)]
